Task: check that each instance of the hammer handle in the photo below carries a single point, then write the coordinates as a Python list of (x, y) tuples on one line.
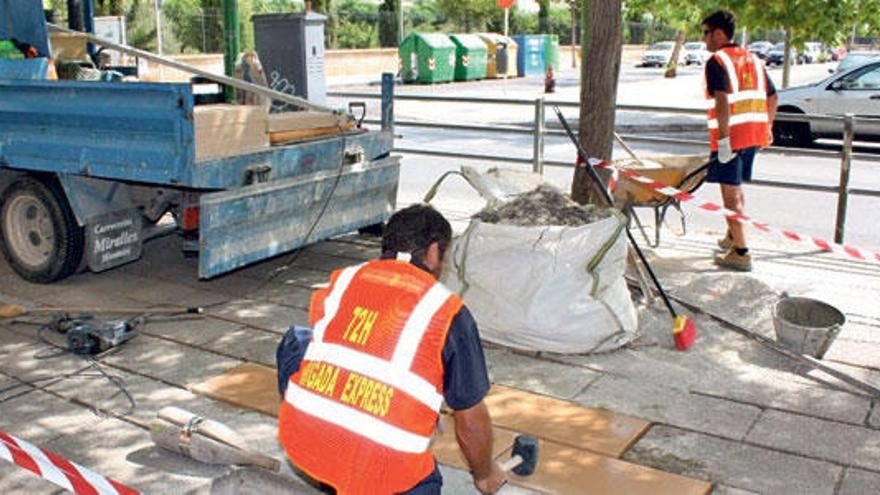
[(511, 463)]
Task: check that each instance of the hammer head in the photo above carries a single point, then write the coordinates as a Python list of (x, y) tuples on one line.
[(527, 448)]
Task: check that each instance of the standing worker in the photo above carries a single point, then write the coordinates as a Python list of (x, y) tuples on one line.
[(390, 344), (741, 102)]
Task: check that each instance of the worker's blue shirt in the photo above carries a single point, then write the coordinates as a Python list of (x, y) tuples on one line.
[(465, 377)]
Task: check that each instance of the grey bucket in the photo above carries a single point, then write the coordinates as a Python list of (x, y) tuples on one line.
[(806, 325)]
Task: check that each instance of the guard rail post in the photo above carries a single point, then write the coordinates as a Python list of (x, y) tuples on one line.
[(538, 138), (843, 184), (388, 102)]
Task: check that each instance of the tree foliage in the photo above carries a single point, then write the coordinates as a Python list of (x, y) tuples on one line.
[(471, 15)]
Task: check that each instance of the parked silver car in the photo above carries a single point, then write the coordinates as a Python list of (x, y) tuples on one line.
[(695, 53), (855, 91)]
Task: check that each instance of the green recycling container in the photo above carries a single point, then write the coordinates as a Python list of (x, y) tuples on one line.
[(427, 58), (551, 51), (470, 57)]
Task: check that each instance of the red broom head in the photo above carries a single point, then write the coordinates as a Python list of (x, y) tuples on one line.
[(685, 332)]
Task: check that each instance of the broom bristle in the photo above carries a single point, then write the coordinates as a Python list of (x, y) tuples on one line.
[(685, 332)]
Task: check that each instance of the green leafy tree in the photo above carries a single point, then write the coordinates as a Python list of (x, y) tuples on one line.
[(543, 16), (388, 23), (472, 15), (802, 20)]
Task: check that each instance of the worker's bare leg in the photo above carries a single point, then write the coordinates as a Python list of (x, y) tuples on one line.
[(734, 200)]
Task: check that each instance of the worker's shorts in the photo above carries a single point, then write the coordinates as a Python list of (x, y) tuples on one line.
[(734, 172)]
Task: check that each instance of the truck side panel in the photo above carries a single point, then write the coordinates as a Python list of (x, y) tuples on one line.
[(129, 131), (263, 220)]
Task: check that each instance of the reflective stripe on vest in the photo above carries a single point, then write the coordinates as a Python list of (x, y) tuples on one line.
[(331, 303), (748, 119), (354, 421)]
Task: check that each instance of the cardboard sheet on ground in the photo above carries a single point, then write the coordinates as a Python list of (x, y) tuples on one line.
[(578, 445)]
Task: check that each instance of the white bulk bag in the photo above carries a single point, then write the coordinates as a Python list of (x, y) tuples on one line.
[(546, 288)]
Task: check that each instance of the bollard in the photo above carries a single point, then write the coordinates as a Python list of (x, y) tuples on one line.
[(538, 138), (843, 184)]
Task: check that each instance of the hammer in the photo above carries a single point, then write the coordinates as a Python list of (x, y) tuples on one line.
[(523, 457)]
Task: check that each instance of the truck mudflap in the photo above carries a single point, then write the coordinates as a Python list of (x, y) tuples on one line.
[(253, 223)]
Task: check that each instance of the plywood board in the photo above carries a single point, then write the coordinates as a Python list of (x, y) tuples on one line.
[(283, 137), (564, 422), (229, 130), (566, 470), (562, 468), (251, 386), (297, 121)]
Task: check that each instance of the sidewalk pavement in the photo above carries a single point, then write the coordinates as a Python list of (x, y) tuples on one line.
[(727, 410)]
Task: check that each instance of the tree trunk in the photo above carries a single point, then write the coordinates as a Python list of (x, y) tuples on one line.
[(786, 58), (672, 66), (574, 63), (600, 67)]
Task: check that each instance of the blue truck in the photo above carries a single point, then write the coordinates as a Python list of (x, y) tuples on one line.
[(87, 168)]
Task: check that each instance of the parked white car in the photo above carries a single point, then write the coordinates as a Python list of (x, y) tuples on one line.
[(695, 53), (855, 91), (658, 54)]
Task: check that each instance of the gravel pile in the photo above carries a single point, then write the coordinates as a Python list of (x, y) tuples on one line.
[(544, 205)]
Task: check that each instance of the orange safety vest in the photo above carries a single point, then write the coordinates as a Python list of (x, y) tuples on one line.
[(747, 97), (360, 412)]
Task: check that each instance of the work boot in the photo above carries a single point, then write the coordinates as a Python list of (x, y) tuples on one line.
[(734, 261), (726, 243)]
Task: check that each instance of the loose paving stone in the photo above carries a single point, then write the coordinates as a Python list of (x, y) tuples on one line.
[(36, 362), (261, 314), (167, 361), (854, 352), (527, 373), (286, 294), (670, 406), (248, 344), (191, 329), (858, 482), (732, 463), (460, 482), (817, 438)]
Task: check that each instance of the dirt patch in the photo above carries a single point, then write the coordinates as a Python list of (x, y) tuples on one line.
[(544, 205), (664, 461)]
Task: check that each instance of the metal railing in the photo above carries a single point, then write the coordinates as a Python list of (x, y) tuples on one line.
[(539, 131)]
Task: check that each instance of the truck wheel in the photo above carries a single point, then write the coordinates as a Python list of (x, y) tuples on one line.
[(39, 237)]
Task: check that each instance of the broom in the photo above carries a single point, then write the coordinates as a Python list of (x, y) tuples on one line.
[(684, 330)]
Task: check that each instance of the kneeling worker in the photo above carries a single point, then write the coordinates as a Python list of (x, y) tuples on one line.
[(390, 344)]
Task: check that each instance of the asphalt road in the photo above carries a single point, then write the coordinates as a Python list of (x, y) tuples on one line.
[(807, 212)]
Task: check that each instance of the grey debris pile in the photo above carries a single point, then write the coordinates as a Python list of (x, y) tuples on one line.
[(544, 205)]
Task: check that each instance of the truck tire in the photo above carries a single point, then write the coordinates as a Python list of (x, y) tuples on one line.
[(39, 236)]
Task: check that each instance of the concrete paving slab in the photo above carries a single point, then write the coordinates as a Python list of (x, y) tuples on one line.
[(287, 294), (249, 344), (16, 288), (859, 482), (169, 362), (727, 490), (39, 417), (820, 439), (261, 314), (854, 352), (670, 406), (125, 453), (32, 361), (874, 418), (459, 482), (793, 397), (527, 373), (733, 464), (353, 251), (174, 293), (190, 329)]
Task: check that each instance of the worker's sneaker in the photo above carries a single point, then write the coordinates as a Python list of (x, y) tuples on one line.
[(726, 243), (734, 261)]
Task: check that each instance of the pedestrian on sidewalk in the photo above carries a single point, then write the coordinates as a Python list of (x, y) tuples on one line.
[(390, 344), (741, 103)]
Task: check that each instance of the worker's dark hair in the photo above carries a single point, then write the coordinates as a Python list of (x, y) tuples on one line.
[(723, 20), (413, 229)]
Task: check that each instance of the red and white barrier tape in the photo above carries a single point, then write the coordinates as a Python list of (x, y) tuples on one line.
[(58, 470), (683, 196)]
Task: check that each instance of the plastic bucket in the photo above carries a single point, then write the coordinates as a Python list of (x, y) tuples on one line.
[(806, 325)]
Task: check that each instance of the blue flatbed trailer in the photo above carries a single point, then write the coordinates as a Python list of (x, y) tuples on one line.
[(84, 166)]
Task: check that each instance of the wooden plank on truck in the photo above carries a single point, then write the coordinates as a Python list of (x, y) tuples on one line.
[(228, 130)]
